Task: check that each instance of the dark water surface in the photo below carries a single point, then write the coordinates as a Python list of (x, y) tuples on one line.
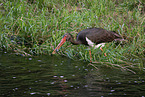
[(57, 76)]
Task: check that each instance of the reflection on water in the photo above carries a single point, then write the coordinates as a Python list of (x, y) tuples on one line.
[(43, 76)]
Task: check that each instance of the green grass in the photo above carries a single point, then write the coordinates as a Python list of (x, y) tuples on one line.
[(34, 28)]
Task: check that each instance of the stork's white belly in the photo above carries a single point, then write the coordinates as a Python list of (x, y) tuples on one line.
[(90, 43)]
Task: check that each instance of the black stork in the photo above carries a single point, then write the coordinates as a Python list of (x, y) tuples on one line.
[(94, 37)]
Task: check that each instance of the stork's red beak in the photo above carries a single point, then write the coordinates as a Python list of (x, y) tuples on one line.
[(63, 40)]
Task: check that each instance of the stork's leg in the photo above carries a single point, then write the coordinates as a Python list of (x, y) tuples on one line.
[(102, 51), (90, 55)]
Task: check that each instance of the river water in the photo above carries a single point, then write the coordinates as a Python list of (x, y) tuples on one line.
[(58, 76)]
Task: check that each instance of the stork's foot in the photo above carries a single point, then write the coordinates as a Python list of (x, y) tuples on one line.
[(90, 61)]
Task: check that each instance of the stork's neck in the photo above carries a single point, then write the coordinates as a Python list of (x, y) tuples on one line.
[(74, 42)]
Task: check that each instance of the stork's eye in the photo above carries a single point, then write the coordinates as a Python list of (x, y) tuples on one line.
[(64, 36)]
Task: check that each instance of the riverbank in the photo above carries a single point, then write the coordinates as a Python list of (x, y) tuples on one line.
[(34, 28)]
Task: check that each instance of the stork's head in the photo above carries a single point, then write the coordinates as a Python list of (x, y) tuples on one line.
[(66, 37)]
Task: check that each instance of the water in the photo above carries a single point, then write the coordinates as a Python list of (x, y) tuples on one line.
[(57, 76)]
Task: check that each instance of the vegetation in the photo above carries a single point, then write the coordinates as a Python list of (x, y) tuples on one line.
[(33, 27)]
